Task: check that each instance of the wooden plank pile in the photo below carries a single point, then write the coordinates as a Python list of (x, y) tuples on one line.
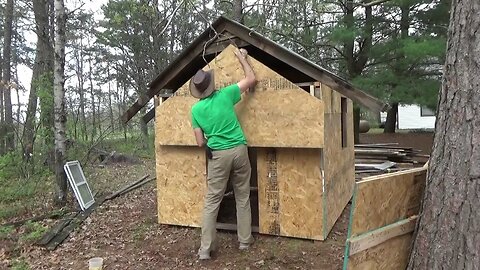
[(386, 157)]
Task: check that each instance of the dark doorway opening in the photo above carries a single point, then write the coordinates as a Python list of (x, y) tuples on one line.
[(228, 212)]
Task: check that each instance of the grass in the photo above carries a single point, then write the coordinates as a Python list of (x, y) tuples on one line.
[(18, 196), (375, 131), (132, 146), (33, 232), (380, 131), (5, 231), (20, 264), (138, 233)]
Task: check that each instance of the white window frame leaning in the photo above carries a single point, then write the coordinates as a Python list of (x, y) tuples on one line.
[(66, 167)]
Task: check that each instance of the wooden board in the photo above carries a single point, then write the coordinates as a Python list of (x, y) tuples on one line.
[(391, 255), (384, 199), (339, 162), (173, 124), (181, 184), (373, 238), (290, 192), (326, 97), (277, 114)]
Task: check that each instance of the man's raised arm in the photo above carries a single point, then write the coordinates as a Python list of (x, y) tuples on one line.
[(249, 80)]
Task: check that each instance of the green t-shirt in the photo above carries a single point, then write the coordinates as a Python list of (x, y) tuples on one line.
[(216, 116)]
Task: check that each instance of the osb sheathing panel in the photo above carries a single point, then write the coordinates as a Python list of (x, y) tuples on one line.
[(392, 254), (385, 199), (276, 114), (290, 192), (181, 184), (172, 122), (326, 98), (339, 162)]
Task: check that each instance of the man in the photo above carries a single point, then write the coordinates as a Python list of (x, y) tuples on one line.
[(214, 120)]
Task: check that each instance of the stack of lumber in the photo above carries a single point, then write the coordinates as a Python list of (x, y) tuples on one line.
[(385, 157)]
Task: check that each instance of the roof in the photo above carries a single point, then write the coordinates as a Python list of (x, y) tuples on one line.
[(223, 32)]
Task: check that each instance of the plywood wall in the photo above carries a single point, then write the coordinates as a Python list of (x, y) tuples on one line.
[(392, 255), (181, 184), (380, 202), (290, 192), (385, 199), (276, 114), (172, 122), (339, 162)]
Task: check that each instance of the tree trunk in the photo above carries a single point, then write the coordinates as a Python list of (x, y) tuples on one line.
[(355, 64), (205, 13), (2, 119), (124, 99), (59, 97), (110, 103), (7, 99), (92, 95), (448, 232), (119, 101), (81, 93), (391, 121), (41, 66), (238, 11), (45, 93)]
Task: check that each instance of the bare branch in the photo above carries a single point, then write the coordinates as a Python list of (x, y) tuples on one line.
[(171, 17), (374, 3), (73, 11)]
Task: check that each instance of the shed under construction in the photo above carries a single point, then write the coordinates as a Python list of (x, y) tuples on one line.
[(298, 122)]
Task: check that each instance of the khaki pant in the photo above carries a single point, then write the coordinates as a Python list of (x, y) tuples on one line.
[(234, 164)]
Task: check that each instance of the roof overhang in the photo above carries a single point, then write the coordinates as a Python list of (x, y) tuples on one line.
[(224, 32)]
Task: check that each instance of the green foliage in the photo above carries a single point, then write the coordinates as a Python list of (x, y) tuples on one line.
[(33, 232), (417, 49), (19, 186), (342, 34), (131, 145), (20, 264), (10, 166), (5, 231)]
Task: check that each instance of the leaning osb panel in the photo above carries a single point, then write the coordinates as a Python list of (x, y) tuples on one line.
[(339, 164), (172, 122), (384, 199), (277, 114), (392, 254), (290, 192), (181, 184)]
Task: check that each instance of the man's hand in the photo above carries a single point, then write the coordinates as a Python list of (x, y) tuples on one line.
[(241, 53), (249, 81)]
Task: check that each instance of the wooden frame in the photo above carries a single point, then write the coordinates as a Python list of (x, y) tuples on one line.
[(77, 181)]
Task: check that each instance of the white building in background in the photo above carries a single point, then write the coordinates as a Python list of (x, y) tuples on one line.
[(413, 117)]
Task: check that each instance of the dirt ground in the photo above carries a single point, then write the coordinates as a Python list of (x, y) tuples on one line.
[(125, 232)]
